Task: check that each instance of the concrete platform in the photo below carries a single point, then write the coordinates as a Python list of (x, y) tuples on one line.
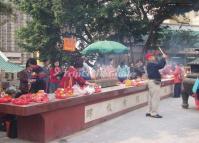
[(177, 125)]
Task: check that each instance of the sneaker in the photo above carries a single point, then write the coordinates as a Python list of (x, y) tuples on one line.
[(156, 116), (148, 114)]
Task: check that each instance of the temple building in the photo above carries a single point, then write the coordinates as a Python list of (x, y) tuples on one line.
[(8, 40)]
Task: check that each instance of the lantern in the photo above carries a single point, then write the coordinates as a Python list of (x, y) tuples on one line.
[(69, 44)]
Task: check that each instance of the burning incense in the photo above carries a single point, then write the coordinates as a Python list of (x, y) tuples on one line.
[(161, 50)]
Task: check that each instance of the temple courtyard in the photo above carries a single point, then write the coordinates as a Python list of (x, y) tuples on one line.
[(177, 125)]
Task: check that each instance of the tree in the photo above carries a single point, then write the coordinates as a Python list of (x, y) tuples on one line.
[(87, 20), (92, 20), (156, 11), (41, 34), (102, 20)]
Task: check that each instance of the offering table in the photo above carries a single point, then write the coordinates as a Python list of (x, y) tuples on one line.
[(43, 122)]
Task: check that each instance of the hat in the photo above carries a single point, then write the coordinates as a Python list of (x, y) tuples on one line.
[(148, 56)]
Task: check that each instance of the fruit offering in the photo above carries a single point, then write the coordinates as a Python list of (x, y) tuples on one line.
[(27, 97), (128, 82), (40, 97), (62, 93)]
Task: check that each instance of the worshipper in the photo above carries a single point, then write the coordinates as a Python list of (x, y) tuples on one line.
[(25, 77), (72, 76), (37, 78), (46, 70), (55, 72), (178, 78), (132, 71), (123, 72), (85, 71), (153, 67)]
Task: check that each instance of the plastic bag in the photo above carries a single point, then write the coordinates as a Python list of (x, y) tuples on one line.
[(195, 86), (83, 90), (78, 90), (90, 89)]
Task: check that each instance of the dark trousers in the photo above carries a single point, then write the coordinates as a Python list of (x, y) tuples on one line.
[(177, 89), (121, 79)]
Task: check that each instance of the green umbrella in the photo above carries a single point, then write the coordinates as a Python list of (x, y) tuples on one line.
[(105, 47)]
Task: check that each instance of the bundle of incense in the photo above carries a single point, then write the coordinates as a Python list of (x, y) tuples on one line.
[(161, 50)]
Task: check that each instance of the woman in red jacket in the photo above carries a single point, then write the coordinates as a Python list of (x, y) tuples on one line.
[(72, 76), (54, 78), (178, 78)]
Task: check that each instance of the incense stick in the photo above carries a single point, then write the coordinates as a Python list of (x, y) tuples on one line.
[(160, 50)]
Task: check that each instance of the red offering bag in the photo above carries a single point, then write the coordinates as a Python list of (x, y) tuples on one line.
[(27, 97), (5, 99), (40, 97), (98, 89), (69, 89), (197, 103), (19, 101), (196, 100), (194, 95), (62, 93)]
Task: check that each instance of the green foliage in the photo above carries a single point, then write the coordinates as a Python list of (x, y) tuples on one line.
[(91, 20), (41, 33)]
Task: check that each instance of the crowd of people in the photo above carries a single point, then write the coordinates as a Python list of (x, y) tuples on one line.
[(49, 77)]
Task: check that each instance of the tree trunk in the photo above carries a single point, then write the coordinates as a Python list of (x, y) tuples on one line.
[(131, 51)]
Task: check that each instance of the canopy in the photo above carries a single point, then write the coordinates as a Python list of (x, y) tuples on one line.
[(9, 67), (194, 62), (105, 47)]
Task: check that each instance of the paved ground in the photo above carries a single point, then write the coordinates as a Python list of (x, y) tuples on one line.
[(177, 126)]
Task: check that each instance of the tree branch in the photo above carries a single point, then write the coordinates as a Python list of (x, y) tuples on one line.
[(88, 33)]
